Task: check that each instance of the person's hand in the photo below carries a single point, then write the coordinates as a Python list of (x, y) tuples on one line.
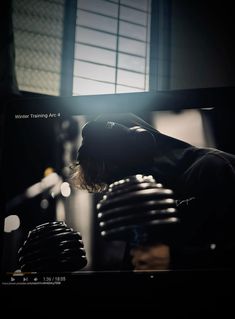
[(152, 257)]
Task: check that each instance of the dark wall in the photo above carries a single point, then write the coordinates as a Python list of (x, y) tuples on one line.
[(203, 55), (202, 44)]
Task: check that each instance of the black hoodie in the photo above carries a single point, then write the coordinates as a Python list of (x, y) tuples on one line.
[(203, 181)]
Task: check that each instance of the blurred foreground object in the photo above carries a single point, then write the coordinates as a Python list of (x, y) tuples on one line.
[(52, 247)]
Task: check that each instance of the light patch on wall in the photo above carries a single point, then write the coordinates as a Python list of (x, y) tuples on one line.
[(186, 125)]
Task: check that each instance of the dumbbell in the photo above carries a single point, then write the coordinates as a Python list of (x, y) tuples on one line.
[(138, 210), (52, 246)]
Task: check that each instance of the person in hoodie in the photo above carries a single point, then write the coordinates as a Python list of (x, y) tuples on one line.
[(202, 180)]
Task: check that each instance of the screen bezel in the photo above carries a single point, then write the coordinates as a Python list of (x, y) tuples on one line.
[(116, 103)]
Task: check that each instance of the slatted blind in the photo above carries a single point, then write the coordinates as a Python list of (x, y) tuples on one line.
[(38, 32)]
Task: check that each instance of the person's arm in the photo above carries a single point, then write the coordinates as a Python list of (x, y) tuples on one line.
[(206, 235), (151, 257)]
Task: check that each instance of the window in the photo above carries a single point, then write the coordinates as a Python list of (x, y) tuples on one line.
[(112, 47)]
